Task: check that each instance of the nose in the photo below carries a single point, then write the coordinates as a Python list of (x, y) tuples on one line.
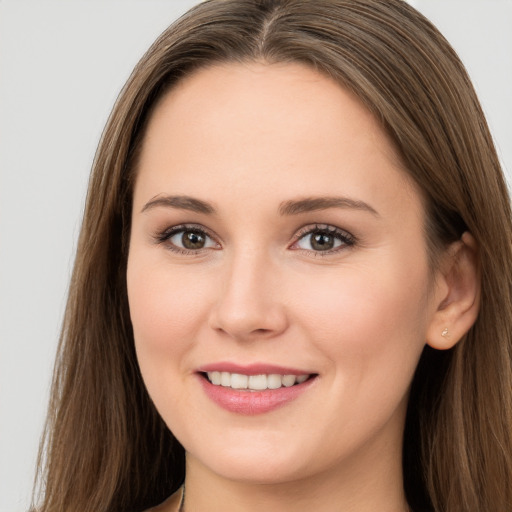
[(249, 303)]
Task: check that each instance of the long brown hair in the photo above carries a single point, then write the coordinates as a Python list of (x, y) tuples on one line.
[(105, 446)]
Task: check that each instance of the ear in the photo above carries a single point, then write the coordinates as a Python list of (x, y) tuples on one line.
[(457, 294)]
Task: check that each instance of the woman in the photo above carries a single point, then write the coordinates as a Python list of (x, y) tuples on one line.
[(295, 257)]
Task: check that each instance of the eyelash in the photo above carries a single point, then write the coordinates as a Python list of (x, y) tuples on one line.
[(346, 239), (165, 236)]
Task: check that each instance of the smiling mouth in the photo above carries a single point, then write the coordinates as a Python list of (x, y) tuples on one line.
[(262, 382)]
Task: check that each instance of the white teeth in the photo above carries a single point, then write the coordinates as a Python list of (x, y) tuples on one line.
[(255, 382), (225, 379), (274, 381), (288, 380), (258, 382), (239, 381)]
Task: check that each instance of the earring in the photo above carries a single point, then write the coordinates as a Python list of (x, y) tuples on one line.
[(444, 334)]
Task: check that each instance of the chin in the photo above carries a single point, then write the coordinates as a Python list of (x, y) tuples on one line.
[(257, 471), (257, 463)]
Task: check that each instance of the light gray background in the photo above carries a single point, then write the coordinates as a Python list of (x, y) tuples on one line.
[(62, 64)]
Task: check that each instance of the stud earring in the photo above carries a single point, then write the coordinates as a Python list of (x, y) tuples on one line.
[(444, 334)]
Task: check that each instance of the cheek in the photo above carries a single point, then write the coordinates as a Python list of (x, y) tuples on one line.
[(165, 311), (166, 317), (370, 328), (371, 321)]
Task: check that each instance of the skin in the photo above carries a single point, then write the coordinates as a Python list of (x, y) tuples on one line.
[(246, 139)]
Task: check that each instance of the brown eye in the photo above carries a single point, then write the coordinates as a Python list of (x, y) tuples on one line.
[(181, 238), (324, 239), (193, 240), (322, 242)]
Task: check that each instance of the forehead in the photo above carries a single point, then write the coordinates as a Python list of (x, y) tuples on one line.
[(261, 128)]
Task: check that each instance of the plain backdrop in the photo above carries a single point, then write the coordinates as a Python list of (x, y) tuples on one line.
[(62, 64)]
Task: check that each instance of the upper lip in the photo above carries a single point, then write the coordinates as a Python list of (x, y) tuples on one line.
[(251, 369)]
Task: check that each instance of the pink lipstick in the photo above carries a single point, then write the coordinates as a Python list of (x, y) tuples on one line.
[(253, 389)]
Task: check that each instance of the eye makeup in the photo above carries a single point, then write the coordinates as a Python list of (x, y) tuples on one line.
[(186, 239), (323, 239), (194, 239)]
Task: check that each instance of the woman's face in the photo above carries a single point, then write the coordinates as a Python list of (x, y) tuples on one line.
[(276, 239)]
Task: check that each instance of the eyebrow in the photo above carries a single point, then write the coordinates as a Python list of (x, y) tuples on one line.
[(296, 207), (311, 204), (181, 203)]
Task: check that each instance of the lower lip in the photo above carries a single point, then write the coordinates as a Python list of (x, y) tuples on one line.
[(253, 402)]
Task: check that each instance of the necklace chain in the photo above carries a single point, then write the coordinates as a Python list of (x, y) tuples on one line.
[(181, 508)]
